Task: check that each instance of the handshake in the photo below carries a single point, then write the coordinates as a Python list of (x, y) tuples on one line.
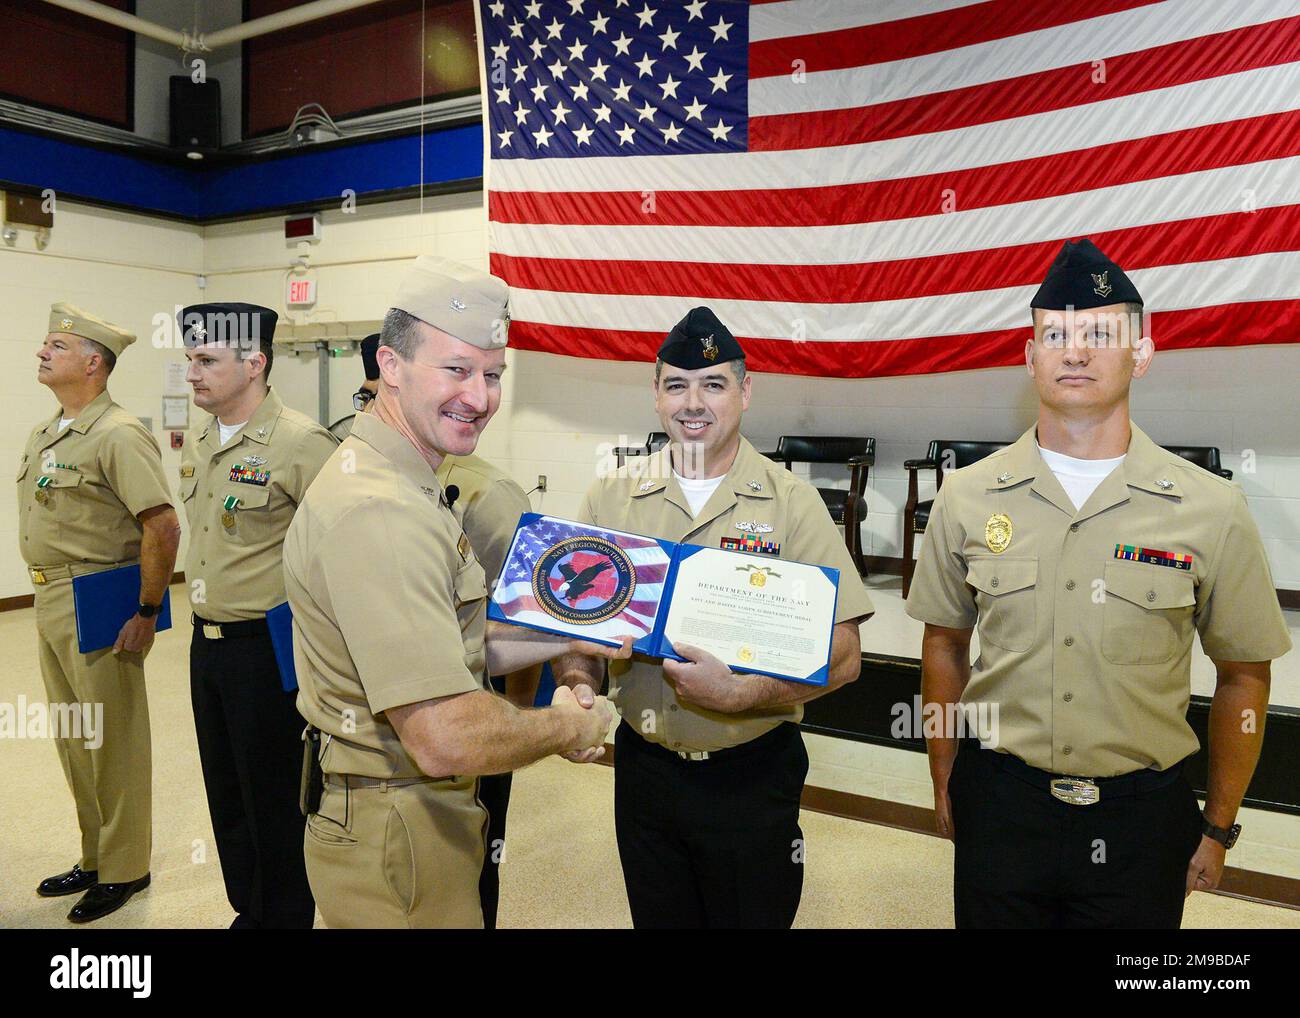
[(589, 713)]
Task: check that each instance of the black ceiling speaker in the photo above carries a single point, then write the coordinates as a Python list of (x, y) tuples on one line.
[(195, 115)]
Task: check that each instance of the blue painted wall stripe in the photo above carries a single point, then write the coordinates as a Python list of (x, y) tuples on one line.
[(120, 178)]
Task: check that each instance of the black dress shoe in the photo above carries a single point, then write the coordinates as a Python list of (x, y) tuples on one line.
[(102, 899), (72, 882)]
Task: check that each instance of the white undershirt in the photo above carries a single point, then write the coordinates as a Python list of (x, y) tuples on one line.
[(697, 492), (1079, 478), (65, 421), (228, 431)]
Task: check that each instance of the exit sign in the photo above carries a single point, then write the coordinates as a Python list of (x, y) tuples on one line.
[(302, 293)]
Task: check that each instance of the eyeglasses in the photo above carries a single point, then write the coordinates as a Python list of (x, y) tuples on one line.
[(360, 398)]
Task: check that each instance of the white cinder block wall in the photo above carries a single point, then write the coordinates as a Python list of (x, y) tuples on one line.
[(561, 414), (123, 267)]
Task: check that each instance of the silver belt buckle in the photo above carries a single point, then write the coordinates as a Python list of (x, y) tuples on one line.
[(211, 632), (1075, 791), (692, 756)]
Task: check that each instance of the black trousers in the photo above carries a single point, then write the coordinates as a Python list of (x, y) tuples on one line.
[(250, 746), (494, 794), (1025, 860), (711, 844)]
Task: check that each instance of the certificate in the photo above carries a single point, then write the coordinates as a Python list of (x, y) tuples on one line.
[(756, 613)]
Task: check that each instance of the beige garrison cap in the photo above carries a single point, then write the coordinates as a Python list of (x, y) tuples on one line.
[(463, 302), (69, 318)]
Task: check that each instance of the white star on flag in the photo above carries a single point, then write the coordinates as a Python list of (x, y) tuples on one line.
[(542, 137), (626, 134)]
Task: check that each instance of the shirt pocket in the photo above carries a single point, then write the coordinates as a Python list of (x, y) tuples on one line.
[(188, 486), (1006, 593), (470, 587), (63, 494), (1148, 614), (252, 515)]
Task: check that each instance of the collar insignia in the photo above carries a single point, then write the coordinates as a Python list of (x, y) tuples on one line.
[(1164, 484), (1003, 478), (755, 486)]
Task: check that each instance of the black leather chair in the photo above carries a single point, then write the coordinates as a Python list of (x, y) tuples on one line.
[(1204, 456), (654, 441), (847, 508), (944, 454)]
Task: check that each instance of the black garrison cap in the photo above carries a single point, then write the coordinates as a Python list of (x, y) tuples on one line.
[(369, 356), (234, 324), (698, 341), (1083, 277)]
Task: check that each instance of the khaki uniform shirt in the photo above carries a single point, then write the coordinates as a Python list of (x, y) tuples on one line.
[(489, 507), (1087, 655), (389, 603), (81, 490), (233, 564), (643, 497)]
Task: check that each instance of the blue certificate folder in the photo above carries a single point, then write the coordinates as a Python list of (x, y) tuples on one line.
[(104, 601), (280, 621), (600, 585)]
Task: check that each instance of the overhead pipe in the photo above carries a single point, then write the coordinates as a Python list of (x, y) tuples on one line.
[(127, 21), (201, 43), (284, 19)]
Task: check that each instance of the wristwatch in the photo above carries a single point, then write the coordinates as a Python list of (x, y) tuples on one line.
[(1225, 836), (148, 611)]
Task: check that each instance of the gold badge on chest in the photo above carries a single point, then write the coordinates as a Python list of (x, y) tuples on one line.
[(997, 533)]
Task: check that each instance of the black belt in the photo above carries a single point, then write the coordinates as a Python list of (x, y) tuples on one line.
[(1059, 785), (210, 630), (765, 743)]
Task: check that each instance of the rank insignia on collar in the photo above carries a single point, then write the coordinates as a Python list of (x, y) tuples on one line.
[(261, 432), (1003, 478), (646, 486), (256, 461), (1164, 484), (462, 546), (753, 527), (997, 533), (187, 471), (755, 486)]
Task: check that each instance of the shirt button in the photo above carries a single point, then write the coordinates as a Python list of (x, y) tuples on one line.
[(1074, 528), (1069, 641), (672, 706), (1068, 697), (993, 582), (209, 494), (205, 530), (1151, 595), (203, 562), (1069, 584), (1067, 750)]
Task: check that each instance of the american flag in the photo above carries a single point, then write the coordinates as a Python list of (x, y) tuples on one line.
[(877, 188), (514, 592)]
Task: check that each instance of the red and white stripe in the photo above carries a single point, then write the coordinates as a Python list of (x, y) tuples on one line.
[(899, 206)]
